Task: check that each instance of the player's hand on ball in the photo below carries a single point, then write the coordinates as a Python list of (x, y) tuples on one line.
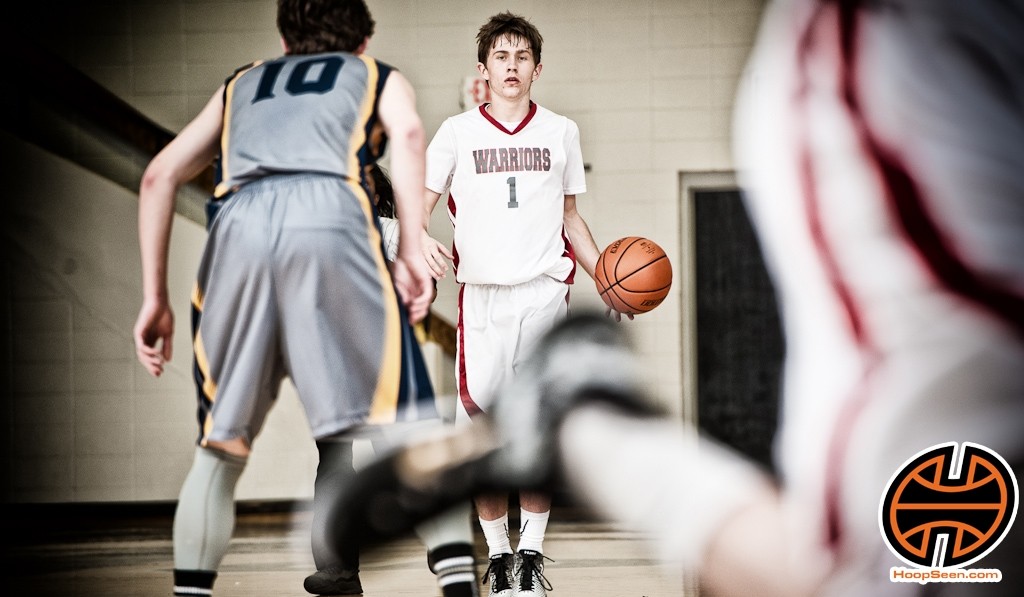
[(153, 332), (609, 312)]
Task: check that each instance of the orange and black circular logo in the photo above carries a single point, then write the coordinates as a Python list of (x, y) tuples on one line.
[(944, 511)]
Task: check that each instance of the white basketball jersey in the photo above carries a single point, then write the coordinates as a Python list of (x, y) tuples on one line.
[(507, 191)]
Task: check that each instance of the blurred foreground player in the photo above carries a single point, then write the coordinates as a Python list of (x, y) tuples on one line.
[(293, 280), (883, 147)]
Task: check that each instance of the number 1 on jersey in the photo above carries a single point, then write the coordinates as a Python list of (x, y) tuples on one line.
[(512, 203)]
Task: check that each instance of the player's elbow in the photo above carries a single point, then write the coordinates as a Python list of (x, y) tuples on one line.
[(156, 176), (411, 136)]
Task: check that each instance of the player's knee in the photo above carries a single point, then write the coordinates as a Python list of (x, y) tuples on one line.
[(236, 447)]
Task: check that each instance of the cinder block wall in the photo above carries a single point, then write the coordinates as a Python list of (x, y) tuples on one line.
[(651, 84)]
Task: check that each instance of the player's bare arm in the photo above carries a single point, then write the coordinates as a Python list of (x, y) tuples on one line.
[(397, 111), (745, 557), (183, 159), (579, 234), (583, 244), (434, 252)]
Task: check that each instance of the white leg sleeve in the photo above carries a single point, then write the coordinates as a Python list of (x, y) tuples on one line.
[(205, 517)]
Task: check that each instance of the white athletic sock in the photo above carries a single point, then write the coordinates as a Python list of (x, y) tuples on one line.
[(496, 534), (532, 526)]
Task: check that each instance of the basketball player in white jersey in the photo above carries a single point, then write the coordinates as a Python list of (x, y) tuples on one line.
[(293, 279), (882, 144), (512, 170)]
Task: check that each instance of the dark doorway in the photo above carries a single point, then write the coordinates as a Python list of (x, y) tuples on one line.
[(739, 337)]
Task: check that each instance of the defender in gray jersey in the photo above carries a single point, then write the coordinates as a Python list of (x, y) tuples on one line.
[(293, 280)]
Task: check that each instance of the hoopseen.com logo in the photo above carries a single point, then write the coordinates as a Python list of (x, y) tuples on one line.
[(945, 509)]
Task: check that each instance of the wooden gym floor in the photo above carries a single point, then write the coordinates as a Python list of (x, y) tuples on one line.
[(119, 555)]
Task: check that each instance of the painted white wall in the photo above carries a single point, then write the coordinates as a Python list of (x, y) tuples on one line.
[(650, 82)]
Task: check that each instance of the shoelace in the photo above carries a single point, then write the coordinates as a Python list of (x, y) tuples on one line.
[(499, 567), (531, 567)]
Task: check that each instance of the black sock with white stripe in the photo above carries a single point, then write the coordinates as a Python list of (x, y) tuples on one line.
[(454, 566), (194, 582)]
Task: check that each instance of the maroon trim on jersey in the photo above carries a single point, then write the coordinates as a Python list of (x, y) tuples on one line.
[(472, 408), (936, 248), (571, 254), (852, 405), (455, 250), (808, 180), (455, 259), (529, 116)]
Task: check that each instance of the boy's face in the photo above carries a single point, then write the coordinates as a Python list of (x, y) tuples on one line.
[(510, 69)]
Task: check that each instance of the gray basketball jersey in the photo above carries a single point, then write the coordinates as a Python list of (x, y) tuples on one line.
[(303, 113)]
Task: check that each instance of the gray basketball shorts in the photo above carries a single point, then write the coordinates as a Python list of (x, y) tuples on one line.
[(293, 282)]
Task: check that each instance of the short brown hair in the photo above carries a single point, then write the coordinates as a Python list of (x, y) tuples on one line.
[(314, 26), (511, 27)]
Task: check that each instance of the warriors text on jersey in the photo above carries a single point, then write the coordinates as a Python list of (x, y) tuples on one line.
[(508, 185), (322, 118)]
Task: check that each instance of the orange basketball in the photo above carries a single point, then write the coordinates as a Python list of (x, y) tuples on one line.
[(633, 275)]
